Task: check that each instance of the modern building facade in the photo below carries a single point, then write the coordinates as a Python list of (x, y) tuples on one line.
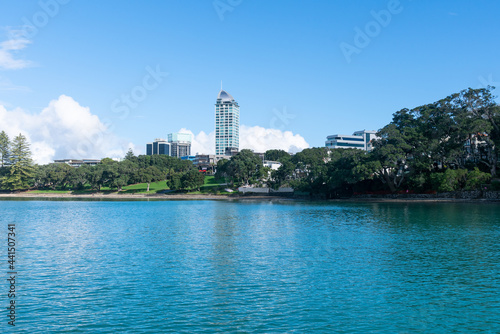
[(159, 146), (180, 144), (227, 124), (362, 140)]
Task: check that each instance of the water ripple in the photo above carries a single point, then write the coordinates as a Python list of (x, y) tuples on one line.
[(241, 267)]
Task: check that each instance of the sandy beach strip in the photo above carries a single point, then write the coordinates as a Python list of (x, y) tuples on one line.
[(116, 196)]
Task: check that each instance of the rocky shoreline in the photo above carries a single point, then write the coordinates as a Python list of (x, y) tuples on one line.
[(475, 195)]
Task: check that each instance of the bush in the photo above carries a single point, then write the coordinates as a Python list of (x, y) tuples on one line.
[(459, 179), (495, 184), (419, 182), (475, 178), (451, 180)]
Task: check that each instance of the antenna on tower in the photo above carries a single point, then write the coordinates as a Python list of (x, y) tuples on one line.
[(221, 85)]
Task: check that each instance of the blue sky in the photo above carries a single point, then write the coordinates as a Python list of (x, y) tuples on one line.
[(281, 60)]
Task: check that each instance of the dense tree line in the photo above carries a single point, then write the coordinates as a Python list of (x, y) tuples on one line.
[(18, 172), (448, 145)]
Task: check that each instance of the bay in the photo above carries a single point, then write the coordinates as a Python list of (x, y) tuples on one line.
[(253, 267)]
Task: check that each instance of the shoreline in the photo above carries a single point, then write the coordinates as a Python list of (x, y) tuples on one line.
[(166, 197), (115, 196)]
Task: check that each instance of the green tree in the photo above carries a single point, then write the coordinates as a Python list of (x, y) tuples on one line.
[(149, 174), (54, 175), (459, 179), (95, 176), (244, 168), (439, 140), (277, 155), (479, 117), (125, 170), (77, 178), (476, 179), (282, 175), (174, 182), (392, 150), (4, 149), (192, 179), (21, 170), (348, 167), (311, 170), (110, 172), (222, 169), (130, 155)]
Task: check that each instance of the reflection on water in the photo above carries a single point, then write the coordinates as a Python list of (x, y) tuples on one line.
[(206, 267)]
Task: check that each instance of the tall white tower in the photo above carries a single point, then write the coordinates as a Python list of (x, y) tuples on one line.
[(227, 124)]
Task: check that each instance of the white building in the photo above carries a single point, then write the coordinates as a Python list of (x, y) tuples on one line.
[(227, 124), (362, 140), (78, 162), (274, 165)]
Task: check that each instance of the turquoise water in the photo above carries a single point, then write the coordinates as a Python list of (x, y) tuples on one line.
[(262, 267)]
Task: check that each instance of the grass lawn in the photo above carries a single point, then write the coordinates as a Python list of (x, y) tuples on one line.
[(139, 188), (211, 185), (49, 191), (211, 180), (142, 187)]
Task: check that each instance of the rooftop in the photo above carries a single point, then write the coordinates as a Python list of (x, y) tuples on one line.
[(225, 96)]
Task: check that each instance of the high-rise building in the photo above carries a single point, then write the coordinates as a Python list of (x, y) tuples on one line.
[(180, 144), (159, 146), (227, 124)]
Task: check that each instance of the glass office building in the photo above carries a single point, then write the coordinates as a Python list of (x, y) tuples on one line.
[(180, 144), (227, 124), (362, 140), (159, 146)]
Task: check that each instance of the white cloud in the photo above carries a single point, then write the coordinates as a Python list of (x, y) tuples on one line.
[(9, 48), (65, 129), (255, 138), (202, 143), (261, 139), (62, 130)]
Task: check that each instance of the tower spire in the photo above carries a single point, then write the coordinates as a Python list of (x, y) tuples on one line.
[(221, 85)]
